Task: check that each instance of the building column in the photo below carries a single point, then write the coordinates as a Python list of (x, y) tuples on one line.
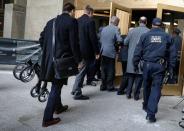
[(14, 21), (38, 13)]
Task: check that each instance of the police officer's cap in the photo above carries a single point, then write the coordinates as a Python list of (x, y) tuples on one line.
[(177, 31), (157, 22)]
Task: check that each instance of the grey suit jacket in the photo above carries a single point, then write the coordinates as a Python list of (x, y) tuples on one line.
[(109, 36)]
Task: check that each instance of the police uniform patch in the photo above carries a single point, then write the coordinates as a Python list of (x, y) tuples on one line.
[(156, 39)]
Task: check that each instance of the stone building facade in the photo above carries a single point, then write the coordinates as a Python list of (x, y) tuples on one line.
[(25, 19)]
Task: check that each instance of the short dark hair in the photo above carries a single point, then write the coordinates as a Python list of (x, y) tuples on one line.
[(89, 9), (68, 7)]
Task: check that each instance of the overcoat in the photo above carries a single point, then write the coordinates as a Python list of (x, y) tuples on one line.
[(88, 37), (66, 42), (132, 40)]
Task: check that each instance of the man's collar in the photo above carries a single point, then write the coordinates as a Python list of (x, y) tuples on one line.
[(157, 29), (142, 25), (86, 15), (66, 12)]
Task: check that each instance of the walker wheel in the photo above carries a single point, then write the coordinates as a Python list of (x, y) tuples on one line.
[(43, 96), (35, 92)]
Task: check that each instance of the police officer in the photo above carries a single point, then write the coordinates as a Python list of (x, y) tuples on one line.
[(156, 50)]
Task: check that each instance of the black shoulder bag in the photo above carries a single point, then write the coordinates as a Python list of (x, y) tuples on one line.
[(65, 66)]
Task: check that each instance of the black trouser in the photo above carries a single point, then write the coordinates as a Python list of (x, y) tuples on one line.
[(54, 100), (124, 80), (138, 84), (97, 68), (80, 77), (91, 72), (94, 70), (108, 72)]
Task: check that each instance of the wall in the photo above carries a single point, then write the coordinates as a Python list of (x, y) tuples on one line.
[(105, 4), (181, 25), (20, 2), (38, 13), (8, 16), (97, 4), (179, 3), (136, 4), (14, 21), (18, 24)]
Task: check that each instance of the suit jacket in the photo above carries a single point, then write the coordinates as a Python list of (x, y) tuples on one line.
[(66, 41), (87, 37), (109, 36), (177, 41)]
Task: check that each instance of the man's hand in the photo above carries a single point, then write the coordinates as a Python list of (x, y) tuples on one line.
[(119, 50), (97, 57), (136, 68), (80, 65)]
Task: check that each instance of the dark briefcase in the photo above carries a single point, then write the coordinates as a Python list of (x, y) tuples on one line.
[(65, 67)]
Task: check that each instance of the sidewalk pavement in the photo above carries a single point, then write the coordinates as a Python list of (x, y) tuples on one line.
[(103, 112)]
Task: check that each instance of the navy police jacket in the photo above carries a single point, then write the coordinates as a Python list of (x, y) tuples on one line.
[(153, 46)]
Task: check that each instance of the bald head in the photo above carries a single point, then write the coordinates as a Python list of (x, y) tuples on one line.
[(114, 20), (143, 20)]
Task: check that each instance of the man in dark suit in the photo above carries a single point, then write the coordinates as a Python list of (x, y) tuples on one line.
[(123, 56), (177, 42), (66, 41), (89, 50)]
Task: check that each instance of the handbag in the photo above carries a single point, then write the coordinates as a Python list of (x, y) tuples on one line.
[(65, 66)]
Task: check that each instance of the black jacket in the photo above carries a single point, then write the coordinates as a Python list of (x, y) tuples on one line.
[(87, 37), (123, 54), (66, 41), (177, 41)]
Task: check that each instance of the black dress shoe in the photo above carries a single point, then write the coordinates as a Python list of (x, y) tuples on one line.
[(91, 84), (103, 88), (51, 122), (112, 90), (151, 119), (62, 109), (136, 98), (120, 92), (81, 97), (72, 93), (128, 96)]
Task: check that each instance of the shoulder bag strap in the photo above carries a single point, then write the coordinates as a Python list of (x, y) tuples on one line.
[(53, 38)]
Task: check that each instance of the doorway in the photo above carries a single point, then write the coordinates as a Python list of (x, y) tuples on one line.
[(149, 14), (173, 16), (101, 18)]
